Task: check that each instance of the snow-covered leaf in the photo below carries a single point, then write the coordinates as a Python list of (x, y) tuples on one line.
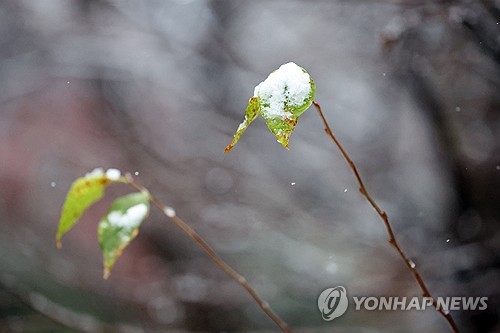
[(280, 99), (121, 225), (83, 193)]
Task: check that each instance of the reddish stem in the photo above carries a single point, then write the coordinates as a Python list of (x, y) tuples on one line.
[(383, 215)]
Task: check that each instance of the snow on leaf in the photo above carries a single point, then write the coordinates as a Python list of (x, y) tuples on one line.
[(113, 174), (280, 99), (83, 193), (286, 91), (121, 225)]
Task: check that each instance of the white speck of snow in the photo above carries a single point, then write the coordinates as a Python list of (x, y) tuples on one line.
[(292, 183), (242, 125), (169, 211), (288, 85), (96, 173), (458, 109), (498, 167), (67, 82), (131, 218), (448, 240), (136, 173), (345, 190), (383, 74), (412, 264), (113, 174), (53, 184)]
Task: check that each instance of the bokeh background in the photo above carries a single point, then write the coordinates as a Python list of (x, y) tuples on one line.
[(158, 87)]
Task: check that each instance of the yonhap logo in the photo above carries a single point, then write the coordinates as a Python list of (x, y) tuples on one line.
[(332, 303)]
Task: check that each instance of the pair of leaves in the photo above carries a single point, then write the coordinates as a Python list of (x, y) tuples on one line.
[(280, 99), (118, 227)]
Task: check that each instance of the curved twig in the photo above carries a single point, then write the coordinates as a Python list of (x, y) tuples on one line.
[(383, 215), (240, 279)]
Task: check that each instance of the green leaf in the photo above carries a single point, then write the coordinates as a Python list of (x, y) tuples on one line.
[(121, 225), (252, 111), (83, 193), (282, 128), (280, 99)]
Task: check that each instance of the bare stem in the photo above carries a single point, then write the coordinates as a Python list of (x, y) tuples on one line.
[(240, 279), (383, 215)]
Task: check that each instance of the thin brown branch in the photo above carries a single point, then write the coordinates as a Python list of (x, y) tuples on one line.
[(240, 279), (383, 215)]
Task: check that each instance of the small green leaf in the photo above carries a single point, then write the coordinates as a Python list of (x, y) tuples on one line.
[(280, 99), (252, 111), (121, 225), (282, 128), (83, 193)]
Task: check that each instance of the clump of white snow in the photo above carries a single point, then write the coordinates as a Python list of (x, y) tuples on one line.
[(131, 218), (169, 211), (113, 174), (96, 173), (289, 85)]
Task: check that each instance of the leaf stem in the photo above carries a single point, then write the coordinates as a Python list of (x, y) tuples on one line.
[(385, 219), (240, 279)]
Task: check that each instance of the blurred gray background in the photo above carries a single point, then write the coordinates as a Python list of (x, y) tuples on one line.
[(158, 87)]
